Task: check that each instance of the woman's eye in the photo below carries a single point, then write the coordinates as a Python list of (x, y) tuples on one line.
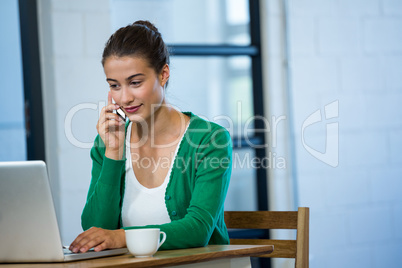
[(113, 86), (135, 83)]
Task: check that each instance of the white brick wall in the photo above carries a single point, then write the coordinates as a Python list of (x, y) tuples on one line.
[(392, 7), (337, 36), (383, 34), (302, 33), (72, 46), (345, 50), (361, 75), (350, 51), (391, 72)]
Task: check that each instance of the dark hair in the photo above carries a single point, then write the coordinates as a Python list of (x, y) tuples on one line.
[(140, 39)]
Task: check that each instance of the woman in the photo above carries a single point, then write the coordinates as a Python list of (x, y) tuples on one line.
[(163, 168)]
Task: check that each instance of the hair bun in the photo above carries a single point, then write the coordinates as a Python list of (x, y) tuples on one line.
[(146, 24), (139, 39)]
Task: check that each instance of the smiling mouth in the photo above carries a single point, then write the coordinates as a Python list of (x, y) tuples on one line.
[(132, 109)]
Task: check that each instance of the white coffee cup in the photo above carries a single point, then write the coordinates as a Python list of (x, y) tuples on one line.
[(144, 242)]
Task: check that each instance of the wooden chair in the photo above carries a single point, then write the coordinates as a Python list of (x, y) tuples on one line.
[(298, 220)]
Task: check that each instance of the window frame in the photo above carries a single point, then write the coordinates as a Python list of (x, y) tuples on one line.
[(253, 50), (32, 82)]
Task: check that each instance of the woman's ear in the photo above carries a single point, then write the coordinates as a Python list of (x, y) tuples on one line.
[(165, 74)]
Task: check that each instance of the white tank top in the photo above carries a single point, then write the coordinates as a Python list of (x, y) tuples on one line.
[(141, 205)]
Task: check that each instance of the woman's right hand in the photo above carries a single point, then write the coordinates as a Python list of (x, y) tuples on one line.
[(111, 129)]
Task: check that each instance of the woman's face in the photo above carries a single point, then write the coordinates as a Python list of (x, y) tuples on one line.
[(135, 86)]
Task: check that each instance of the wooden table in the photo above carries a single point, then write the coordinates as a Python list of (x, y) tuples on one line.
[(221, 256)]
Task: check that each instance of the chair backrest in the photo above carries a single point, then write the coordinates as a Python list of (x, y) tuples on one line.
[(298, 220)]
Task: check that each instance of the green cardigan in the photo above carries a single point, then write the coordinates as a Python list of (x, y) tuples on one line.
[(194, 196)]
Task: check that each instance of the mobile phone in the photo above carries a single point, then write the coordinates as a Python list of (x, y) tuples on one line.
[(120, 113)]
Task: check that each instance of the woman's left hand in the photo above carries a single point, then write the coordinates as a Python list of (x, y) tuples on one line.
[(99, 239)]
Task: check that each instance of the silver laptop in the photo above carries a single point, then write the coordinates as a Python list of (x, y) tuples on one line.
[(28, 224)]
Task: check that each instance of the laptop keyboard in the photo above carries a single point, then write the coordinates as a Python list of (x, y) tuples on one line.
[(66, 251)]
